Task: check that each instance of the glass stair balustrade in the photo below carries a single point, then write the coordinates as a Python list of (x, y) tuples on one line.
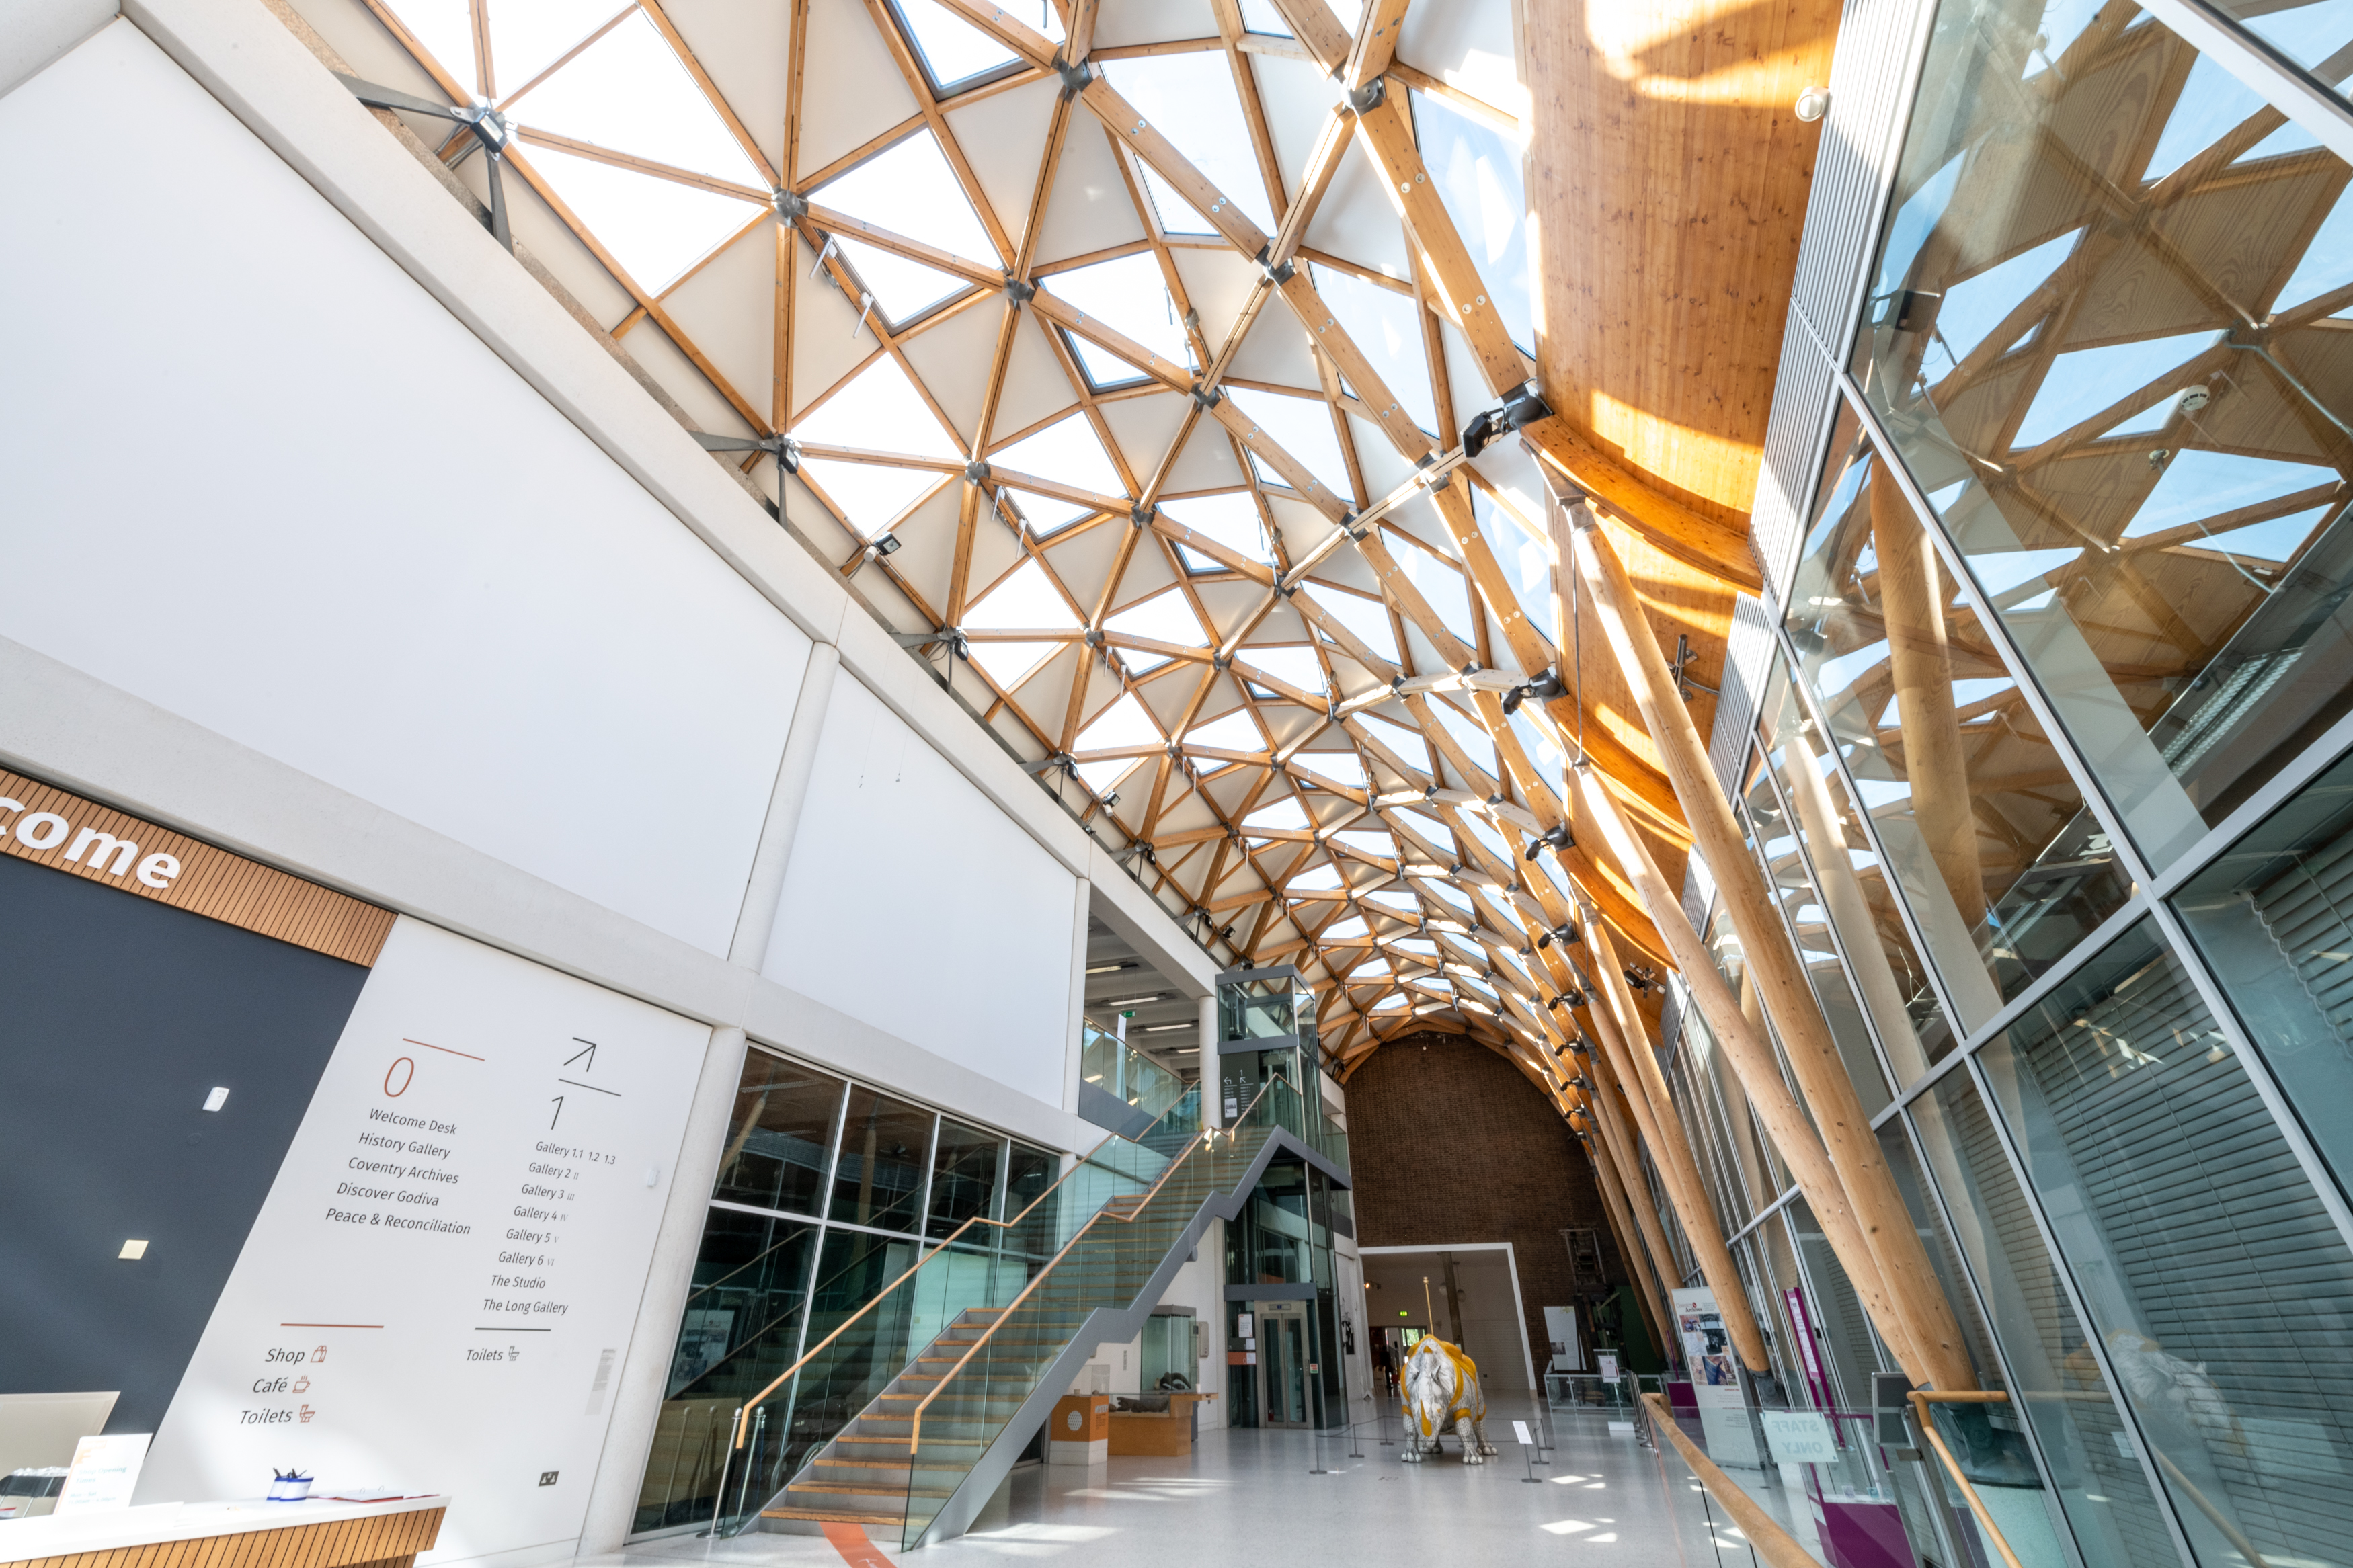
[(991, 1342)]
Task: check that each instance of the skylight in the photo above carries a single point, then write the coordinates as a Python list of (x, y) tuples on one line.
[(1284, 815), (1525, 558), (1295, 665), (1164, 618), (1478, 175), (1237, 731), (529, 35), (880, 399), (1407, 744), (1125, 724), (953, 50), (909, 189), (1128, 295), (1189, 99), (1379, 843), (1387, 326), (446, 28), (655, 228), (1441, 582), (1230, 518), (1069, 452), (1322, 879), (1367, 619), (1476, 743), (629, 92), (1302, 427), (1340, 767), (1025, 600)]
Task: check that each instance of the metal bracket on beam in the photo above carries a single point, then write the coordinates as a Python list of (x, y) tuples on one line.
[(1019, 293), (788, 206), (1681, 669), (1371, 96), (1207, 399), (1523, 407), (976, 472), (1074, 77), (1140, 517)]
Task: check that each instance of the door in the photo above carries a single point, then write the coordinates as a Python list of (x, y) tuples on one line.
[(1282, 1363)]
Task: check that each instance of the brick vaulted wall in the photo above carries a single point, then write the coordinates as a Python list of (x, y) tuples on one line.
[(1451, 1145)]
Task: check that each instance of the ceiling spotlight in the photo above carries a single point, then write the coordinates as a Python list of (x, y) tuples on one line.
[(1573, 998), (1564, 934), (1557, 836), (886, 545), (1642, 979), (1542, 688)]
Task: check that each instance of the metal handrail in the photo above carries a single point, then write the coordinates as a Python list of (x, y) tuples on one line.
[(1208, 1138), (1921, 1399), (744, 1416)]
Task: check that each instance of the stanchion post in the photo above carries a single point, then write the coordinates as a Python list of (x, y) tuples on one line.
[(1315, 1434)]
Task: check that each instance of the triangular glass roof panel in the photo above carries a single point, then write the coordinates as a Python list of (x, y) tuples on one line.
[(952, 51), (1189, 98), (655, 228), (1026, 598), (1477, 171), (630, 92), (1124, 724), (878, 409), (1164, 618), (1294, 664), (1366, 619), (1237, 731), (1302, 427), (910, 189), (529, 35), (1068, 451), (1128, 295), (1231, 519)]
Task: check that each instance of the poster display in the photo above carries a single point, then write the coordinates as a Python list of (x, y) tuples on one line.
[(1707, 1350), (1567, 1346), (444, 1276)]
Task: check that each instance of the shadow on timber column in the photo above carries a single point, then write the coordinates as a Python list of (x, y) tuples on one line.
[(138, 990)]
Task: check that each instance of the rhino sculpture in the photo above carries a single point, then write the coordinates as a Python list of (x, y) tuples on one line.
[(1441, 1391)]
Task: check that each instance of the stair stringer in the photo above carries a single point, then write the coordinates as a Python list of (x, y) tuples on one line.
[(1114, 1324)]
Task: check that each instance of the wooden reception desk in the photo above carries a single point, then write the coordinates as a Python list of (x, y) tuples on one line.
[(314, 1534), (1161, 1432)]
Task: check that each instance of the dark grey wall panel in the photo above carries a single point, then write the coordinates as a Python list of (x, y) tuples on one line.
[(119, 1015)]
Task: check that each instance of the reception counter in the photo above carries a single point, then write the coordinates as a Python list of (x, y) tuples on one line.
[(251, 1534), (1158, 1432)]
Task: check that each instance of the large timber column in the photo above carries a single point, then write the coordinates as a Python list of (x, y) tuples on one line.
[(1878, 1208), (1751, 1056), (1636, 1066), (1912, 600)]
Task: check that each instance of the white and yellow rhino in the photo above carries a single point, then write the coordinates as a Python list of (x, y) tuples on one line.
[(1441, 1390)]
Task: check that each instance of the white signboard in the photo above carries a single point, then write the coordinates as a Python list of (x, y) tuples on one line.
[(1608, 1362), (442, 1282), (1520, 1434), (103, 1472), (1799, 1437)]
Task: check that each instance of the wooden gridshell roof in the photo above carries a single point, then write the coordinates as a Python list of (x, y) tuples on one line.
[(1301, 748)]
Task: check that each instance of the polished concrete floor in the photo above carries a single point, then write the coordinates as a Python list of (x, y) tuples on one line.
[(1602, 1501)]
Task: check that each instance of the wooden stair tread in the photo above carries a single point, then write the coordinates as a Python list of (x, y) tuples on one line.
[(831, 1515)]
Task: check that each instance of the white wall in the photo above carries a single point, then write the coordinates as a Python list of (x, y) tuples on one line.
[(912, 900), (259, 478)]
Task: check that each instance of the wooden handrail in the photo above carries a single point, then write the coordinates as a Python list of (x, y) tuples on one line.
[(1921, 1399), (1208, 1138), (744, 1416), (1777, 1545)]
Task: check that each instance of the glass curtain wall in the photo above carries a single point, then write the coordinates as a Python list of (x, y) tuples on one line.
[(2052, 780), (826, 1191)]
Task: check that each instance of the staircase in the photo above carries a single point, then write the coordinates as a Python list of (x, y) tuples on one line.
[(930, 1447)]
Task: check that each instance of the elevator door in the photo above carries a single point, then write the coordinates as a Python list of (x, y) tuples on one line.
[(1282, 1363)]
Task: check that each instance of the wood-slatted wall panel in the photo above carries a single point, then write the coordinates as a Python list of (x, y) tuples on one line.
[(211, 883), (384, 1540)]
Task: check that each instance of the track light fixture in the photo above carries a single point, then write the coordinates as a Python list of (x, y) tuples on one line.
[(1558, 836), (1642, 979), (1542, 688), (1564, 934)]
